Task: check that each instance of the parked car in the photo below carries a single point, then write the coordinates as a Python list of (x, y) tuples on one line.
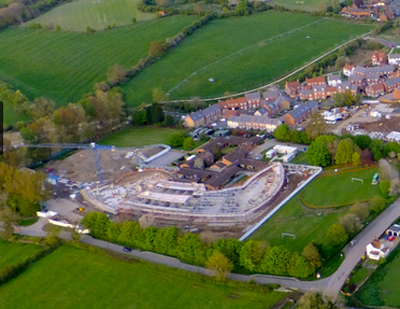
[(126, 249), (391, 238), (49, 170), (353, 242)]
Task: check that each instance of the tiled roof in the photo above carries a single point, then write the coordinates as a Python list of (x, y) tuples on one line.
[(253, 96), (392, 81), (302, 109)]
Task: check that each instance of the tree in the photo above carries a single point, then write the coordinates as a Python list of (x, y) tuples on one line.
[(176, 140), (316, 126), (394, 187), (134, 20), (362, 141), (220, 265), (217, 153), (275, 261), (117, 74), (139, 116), (318, 154), (190, 249), (251, 254), (311, 253), (384, 185), (344, 152), (366, 157), (282, 132), (166, 240), (154, 114), (301, 267), (157, 49), (360, 210), (351, 223), (356, 159), (312, 300), (376, 153), (131, 234), (337, 235), (230, 248), (377, 204), (97, 222), (188, 143), (241, 8), (41, 107)]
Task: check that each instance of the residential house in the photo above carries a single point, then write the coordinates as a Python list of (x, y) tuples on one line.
[(379, 58), (393, 97), (334, 80), (300, 114), (346, 86), (253, 100), (348, 69), (375, 90), (377, 250), (356, 79), (292, 88), (306, 94), (319, 92), (199, 118), (394, 230), (257, 123), (394, 59), (271, 95), (282, 103), (320, 80), (348, 11), (392, 83), (233, 104), (230, 113), (262, 111), (373, 78)]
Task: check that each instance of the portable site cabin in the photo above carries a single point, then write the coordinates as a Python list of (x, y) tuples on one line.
[(375, 179)]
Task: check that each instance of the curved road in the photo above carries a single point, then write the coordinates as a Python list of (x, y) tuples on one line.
[(330, 285)]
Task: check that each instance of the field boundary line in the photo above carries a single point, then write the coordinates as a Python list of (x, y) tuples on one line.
[(348, 171), (330, 206), (239, 52)]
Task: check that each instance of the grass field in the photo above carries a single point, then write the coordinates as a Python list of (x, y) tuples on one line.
[(76, 278), (310, 224), (12, 253), (140, 136), (306, 5), (64, 65), (10, 116), (98, 14), (240, 54), (382, 288), (346, 193), (294, 218)]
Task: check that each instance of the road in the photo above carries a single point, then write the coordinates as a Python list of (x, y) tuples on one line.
[(330, 285)]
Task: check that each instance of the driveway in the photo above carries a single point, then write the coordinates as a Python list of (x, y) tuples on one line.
[(65, 208)]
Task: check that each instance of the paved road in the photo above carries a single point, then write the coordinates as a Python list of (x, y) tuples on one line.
[(330, 285)]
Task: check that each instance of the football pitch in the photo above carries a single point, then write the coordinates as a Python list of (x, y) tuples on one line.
[(238, 54), (98, 14)]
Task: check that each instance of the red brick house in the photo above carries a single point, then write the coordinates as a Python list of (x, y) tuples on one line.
[(375, 90), (320, 80), (300, 113), (379, 58), (292, 88), (233, 104)]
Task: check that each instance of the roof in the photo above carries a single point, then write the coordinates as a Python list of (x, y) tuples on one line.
[(232, 101), (377, 87), (317, 80), (271, 94), (252, 162), (230, 113), (373, 75), (319, 88), (348, 67), (302, 109), (222, 178), (262, 111), (211, 110), (255, 119), (392, 81), (253, 96), (196, 115), (234, 156), (395, 228), (334, 77), (294, 84), (356, 77), (376, 244), (394, 56)]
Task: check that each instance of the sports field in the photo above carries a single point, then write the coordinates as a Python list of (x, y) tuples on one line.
[(310, 224), (98, 14), (140, 136), (304, 5), (63, 65), (76, 278), (382, 288), (240, 54), (12, 253), (346, 193)]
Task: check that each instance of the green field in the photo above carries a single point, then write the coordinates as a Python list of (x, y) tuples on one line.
[(294, 218), (140, 136), (62, 65), (310, 224), (240, 53), (13, 253), (75, 278), (346, 193), (383, 288), (306, 5), (98, 14), (10, 116)]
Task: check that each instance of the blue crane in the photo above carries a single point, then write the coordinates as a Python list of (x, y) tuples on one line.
[(93, 146)]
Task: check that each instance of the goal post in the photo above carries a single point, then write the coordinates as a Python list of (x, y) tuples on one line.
[(288, 235), (357, 179)]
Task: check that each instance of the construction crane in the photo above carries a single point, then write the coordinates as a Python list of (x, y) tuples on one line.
[(93, 146)]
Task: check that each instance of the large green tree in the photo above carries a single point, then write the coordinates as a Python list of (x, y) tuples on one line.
[(318, 154), (98, 223), (282, 132), (337, 235), (220, 265), (344, 152)]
